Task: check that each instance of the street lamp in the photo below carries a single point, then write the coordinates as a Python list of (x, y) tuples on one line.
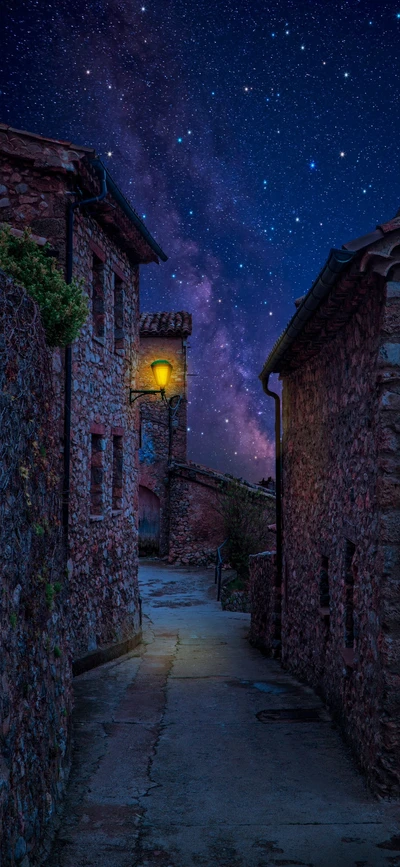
[(161, 370)]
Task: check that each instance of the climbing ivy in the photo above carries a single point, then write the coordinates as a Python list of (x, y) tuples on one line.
[(63, 306)]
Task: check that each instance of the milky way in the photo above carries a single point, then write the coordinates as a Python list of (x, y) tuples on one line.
[(251, 137)]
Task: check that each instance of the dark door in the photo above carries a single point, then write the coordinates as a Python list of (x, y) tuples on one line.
[(149, 522)]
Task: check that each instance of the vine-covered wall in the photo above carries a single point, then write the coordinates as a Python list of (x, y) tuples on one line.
[(35, 664)]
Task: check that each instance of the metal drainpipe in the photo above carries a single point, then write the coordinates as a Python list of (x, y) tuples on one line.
[(68, 353), (278, 477)]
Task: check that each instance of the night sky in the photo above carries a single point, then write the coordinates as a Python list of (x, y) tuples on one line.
[(251, 137)]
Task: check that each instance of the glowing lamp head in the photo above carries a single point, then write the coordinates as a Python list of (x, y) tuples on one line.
[(162, 373)]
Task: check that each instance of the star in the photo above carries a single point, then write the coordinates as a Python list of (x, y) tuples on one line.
[(229, 146)]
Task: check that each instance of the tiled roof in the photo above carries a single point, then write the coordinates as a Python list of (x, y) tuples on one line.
[(166, 324)]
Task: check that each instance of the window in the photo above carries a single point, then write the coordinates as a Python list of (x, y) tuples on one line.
[(324, 595), (97, 475), (98, 305), (117, 469), (118, 315), (349, 595)]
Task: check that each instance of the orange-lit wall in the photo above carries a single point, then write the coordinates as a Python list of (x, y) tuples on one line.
[(163, 425)]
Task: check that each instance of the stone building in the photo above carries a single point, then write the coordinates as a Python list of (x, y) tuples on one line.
[(67, 198), (163, 423), (179, 500), (338, 615)]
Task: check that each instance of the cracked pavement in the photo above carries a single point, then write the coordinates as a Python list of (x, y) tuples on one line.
[(173, 767)]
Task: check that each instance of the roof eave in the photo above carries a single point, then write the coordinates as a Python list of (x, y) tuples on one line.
[(337, 262), (123, 203)]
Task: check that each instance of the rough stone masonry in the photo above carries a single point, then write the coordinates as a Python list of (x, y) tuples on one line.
[(340, 597), (40, 176)]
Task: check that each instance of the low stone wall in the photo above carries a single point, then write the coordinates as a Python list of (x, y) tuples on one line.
[(196, 526), (35, 659), (265, 603)]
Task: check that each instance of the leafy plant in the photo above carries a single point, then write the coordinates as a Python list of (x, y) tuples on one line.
[(57, 652), (49, 593), (63, 306), (246, 515)]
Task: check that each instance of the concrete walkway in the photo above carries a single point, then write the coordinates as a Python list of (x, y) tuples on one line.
[(176, 764)]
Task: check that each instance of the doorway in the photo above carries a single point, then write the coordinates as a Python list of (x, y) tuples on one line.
[(149, 522)]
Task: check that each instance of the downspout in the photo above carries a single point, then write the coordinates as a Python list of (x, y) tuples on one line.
[(68, 353), (278, 479)]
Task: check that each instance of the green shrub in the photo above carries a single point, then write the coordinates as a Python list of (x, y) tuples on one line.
[(246, 515), (49, 593), (63, 306)]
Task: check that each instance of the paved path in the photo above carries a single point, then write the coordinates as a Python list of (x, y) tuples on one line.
[(173, 767)]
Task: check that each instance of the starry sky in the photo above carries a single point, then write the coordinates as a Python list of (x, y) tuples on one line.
[(251, 136)]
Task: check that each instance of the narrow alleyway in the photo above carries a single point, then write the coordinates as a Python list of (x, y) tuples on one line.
[(179, 762)]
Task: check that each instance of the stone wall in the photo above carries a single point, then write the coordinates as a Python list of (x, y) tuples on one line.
[(103, 537), (163, 425), (341, 471), (37, 176), (35, 651), (265, 604), (196, 524), (388, 500)]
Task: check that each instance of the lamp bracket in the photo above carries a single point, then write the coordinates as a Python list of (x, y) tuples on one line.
[(138, 392)]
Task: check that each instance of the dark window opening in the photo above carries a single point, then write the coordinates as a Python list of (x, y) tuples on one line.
[(97, 475), (349, 595), (118, 315), (98, 300), (324, 595), (117, 473)]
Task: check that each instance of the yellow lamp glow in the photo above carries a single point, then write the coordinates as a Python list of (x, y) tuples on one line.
[(162, 373)]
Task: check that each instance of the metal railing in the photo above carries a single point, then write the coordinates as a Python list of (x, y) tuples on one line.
[(218, 569)]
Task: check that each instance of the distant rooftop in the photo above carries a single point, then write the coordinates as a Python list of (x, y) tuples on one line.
[(166, 324)]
